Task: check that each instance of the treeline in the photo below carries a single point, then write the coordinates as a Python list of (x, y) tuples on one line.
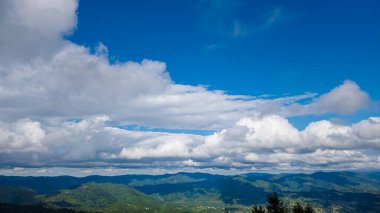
[(31, 208), (275, 205)]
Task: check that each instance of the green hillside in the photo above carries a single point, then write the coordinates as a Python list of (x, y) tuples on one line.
[(12, 194), (107, 197)]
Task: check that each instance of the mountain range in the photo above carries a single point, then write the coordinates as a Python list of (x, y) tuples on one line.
[(195, 192)]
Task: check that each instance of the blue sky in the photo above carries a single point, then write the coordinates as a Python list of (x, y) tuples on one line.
[(283, 48), (311, 46), (195, 85)]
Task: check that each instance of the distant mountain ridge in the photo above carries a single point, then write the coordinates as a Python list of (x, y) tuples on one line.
[(48, 185), (198, 192)]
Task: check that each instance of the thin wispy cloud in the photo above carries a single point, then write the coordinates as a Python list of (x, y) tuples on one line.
[(218, 17), (273, 17), (223, 20)]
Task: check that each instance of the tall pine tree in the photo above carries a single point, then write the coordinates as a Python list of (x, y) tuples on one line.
[(258, 209), (308, 209), (274, 203), (298, 208)]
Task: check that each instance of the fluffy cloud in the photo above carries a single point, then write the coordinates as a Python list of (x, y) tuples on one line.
[(22, 136), (272, 134), (75, 83), (346, 99), (272, 141), (268, 143), (45, 81), (368, 129), (34, 28)]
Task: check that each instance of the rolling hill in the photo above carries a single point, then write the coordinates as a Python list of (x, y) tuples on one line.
[(106, 197)]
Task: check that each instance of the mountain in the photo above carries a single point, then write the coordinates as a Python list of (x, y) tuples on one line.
[(50, 185), (44, 185), (9, 194), (197, 192), (107, 197)]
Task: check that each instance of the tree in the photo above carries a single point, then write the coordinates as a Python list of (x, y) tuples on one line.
[(298, 208), (274, 203), (258, 209), (308, 209)]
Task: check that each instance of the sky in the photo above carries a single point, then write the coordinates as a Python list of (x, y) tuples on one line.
[(227, 86)]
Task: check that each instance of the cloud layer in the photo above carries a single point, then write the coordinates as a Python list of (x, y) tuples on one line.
[(75, 83), (267, 143), (60, 103)]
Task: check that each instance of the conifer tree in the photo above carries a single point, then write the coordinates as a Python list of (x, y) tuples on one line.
[(274, 203), (298, 208), (308, 209), (258, 209)]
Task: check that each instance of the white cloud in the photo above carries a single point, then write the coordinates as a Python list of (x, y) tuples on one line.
[(268, 143), (368, 129), (190, 162), (271, 134), (34, 28), (75, 83), (346, 99), (160, 145), (22, 136), (272, 140)]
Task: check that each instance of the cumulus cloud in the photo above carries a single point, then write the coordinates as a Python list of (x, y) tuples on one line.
[(76, 83), (34, 28), (273, 133), (346, 99), (368, 129), (268, 143), (22, 136), (272, 140), (45, 81)]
